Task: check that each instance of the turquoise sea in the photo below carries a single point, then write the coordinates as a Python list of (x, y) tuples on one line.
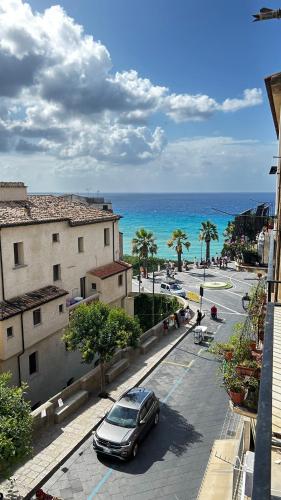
[(164, 212)]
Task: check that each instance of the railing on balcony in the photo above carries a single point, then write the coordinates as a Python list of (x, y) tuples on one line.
[(262, 468)]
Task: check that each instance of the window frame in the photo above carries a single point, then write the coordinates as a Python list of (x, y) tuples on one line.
[(80, 243), (12, 330), (55, 237), (35, 354), (33, 315), (58, 267), (18, 253), (106, 236)]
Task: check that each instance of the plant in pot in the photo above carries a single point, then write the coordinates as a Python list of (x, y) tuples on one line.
[(224, 349), (252, 386), (234, 384), (248, 368)]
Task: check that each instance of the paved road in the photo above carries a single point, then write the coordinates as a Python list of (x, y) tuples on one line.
[(172, 459)]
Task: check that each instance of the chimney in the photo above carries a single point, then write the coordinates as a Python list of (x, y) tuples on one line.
[(13, 191)]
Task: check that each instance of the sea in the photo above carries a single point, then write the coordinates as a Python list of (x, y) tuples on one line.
[(161, 213)]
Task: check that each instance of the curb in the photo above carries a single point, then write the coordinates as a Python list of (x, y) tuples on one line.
[(30, 494)]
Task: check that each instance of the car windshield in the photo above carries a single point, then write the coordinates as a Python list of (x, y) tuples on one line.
[(175, 287), (122, 416)]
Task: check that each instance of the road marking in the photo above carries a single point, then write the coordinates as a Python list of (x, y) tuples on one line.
[(100, 484), (177, 364), (201, 350), (225, 307)]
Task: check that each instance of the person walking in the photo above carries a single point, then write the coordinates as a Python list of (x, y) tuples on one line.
[(198, 318)]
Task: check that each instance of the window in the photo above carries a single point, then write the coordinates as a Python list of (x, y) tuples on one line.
[(10, 332), (36, 317), (106, 237), (33, 363), (80, 244), (120, 280), (56, 272), (56, 237), (94, 286), (18, 254), (105, 207), (61, 308)]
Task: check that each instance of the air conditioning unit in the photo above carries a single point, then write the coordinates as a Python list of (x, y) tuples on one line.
[(249, 461)]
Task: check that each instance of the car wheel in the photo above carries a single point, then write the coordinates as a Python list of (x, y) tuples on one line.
[(135, 450), (156, 418)]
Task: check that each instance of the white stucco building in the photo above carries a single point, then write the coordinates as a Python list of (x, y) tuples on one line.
[(54, 252)]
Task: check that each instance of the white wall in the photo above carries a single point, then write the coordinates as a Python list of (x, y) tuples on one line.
[(40, 254)]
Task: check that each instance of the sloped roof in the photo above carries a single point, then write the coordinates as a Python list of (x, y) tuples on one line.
[(9, 308), (38, 209), (108, 270)]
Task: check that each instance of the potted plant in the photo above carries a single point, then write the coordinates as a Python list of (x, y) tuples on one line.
[(234, 384), (248, 368), (224, 349), (252, 386)]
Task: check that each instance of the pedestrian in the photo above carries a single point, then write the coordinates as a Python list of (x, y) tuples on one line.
[(220, 262), (176, 321), (182, 315), (198, 318), (187, 314), (165, 326)]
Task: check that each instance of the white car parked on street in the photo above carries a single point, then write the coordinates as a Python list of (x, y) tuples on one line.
[(173, 289)]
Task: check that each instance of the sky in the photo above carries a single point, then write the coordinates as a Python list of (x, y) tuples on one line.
[(137, 95)]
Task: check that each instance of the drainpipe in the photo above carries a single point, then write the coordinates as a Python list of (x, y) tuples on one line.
[(2, 270), (126, 283), (22, 349), (113, 242)]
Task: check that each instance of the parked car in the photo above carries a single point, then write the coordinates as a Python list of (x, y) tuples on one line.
[(127, 423), (173, 288)]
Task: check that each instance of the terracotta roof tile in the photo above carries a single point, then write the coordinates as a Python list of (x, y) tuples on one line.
[(29, 300), (37, 209), (108, 270)]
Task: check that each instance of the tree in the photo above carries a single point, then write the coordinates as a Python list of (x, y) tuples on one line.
[(208, 232), (15, 423), (178, 241), (144, 244), (97, 330)]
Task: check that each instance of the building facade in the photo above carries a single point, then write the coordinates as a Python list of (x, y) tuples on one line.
[(54, 253)]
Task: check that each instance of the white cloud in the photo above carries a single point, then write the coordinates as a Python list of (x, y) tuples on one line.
[(60, 95)]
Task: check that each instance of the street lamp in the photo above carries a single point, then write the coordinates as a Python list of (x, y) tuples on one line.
[(246, 301)]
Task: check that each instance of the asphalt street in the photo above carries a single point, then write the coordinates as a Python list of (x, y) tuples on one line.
[(173, 457)]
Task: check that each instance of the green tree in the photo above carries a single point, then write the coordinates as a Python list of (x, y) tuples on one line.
[(97, 330), (207, 233), (179, 240), (144, 245), (15, 423)]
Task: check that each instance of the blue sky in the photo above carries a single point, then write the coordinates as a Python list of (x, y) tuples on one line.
[(172, 99)]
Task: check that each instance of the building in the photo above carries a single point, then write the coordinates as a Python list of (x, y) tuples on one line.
[(54, 253)]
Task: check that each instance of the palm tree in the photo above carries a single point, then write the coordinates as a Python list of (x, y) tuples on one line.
[(207, 233), (179, 239), (142, 245)]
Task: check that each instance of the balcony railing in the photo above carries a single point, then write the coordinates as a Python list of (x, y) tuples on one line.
[(262, 468)]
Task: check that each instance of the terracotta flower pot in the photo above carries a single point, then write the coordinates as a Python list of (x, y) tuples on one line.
[(246, 371), (228, 355), (237, 397)]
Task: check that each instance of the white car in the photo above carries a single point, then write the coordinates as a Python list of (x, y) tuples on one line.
[(173, 289)]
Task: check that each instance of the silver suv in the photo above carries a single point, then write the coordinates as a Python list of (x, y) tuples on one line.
[(127, 423)]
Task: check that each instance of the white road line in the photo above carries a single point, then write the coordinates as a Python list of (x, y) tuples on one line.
[(225, 307), (235, 279)]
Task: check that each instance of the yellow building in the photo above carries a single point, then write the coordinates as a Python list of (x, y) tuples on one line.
[(54, 253)]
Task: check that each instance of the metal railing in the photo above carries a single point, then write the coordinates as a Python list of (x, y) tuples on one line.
[(262, 467)]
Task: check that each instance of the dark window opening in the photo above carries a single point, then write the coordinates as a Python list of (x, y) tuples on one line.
[(10, 332), (80, 244), (56, 237), (94, 286), (56, 272), (106, 237), (120, 280), (18, 254), (61, 308), (37, 317), (33, 363)]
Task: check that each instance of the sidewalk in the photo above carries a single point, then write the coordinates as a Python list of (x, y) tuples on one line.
[(58, 442)]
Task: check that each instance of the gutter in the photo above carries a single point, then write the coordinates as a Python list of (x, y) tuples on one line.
[(113, 242), (2, 271)]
